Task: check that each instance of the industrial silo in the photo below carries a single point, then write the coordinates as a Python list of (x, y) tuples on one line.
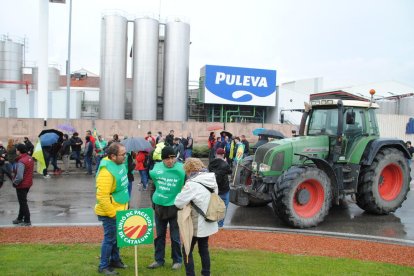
[(177, 50), (113, 67), (53, 78), (145, 57), (11, 62), (406, 106)]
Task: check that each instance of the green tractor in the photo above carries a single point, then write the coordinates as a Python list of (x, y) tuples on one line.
[(338, 152)]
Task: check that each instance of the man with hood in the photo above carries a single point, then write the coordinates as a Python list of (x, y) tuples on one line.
[(222, 170)]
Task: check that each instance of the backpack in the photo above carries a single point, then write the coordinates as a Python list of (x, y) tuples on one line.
[(216, 210)]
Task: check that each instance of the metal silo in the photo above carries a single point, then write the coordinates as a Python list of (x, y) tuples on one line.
[(177, 50), (113, 67), (53, 79), (406, 106), (11, 62), (145, 57)]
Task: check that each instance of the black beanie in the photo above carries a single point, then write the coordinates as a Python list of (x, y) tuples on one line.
[(22, 148), (167, 152)]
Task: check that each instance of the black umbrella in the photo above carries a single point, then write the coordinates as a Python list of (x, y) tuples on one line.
[(49, 138), (269, 133), (226, 133)]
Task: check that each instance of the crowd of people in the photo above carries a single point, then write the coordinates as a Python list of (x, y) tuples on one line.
[(178, 182)]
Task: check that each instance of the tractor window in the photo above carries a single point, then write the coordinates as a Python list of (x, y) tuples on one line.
[(372, 124), (359, 126), (323, 121)]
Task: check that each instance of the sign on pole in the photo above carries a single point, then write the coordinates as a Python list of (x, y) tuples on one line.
[(135, 227)]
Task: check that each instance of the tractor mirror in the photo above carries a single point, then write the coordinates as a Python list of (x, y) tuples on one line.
[(350, 118)]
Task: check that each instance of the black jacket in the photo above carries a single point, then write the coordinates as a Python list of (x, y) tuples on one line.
[(74, 140), (221, 169)]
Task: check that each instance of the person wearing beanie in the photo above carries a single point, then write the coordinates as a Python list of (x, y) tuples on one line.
[(22, 181), (168, 177), (221, 168)]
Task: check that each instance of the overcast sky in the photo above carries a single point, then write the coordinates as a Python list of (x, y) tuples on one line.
[(346, 42)]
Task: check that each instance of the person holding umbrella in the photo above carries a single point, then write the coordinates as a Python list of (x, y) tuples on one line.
[(196, 190)]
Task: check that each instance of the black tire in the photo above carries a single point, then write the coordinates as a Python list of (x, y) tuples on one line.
[(384, 185), (302, 197)]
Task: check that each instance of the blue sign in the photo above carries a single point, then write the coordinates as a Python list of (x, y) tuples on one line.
[(241, 86)]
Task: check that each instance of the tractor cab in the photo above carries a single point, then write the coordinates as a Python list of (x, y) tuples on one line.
[(349, 124)]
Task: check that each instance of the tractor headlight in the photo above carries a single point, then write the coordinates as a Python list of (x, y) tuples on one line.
[(264, 168), (254, 166)]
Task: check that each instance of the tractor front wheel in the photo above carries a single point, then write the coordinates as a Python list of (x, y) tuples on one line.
[(384, 185), (302, 197)]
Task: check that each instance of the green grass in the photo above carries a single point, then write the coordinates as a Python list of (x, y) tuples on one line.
[(81, 259)]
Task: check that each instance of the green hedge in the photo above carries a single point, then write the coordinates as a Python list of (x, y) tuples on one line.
[(200, 151)]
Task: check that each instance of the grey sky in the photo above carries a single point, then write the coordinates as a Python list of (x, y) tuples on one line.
[(346, 42)]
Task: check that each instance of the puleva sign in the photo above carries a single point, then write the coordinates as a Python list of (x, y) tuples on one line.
[(241, 86), (135, 227)]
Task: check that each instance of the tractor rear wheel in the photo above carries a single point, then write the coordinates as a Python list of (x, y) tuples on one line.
[(384, 185), (302, 197)]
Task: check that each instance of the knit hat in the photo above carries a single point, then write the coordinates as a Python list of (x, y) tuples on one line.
[(22, 148), (167, 152), (220, 151)]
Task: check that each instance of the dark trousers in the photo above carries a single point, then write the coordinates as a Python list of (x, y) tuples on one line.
[(24, 213), (77, 158), (204, 255), (159, 242)]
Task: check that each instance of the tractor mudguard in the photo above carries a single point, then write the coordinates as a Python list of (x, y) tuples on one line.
[(375, 145)]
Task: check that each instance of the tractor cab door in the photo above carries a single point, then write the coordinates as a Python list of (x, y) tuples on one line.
[(354, 128)]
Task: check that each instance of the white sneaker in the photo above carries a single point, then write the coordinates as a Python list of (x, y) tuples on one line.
[(46, 176)]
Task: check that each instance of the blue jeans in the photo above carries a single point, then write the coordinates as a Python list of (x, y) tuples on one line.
[(144, 178), (77, 158), (129, 189), (188, 153), (226, 198), (159, 242), (109, 249), (88, 163), (204, 255)]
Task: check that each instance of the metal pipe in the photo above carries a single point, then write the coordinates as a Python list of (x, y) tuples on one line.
[(245, 116), (232, 111)]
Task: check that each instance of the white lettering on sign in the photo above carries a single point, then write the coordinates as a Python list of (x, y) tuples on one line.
[(240, 80)]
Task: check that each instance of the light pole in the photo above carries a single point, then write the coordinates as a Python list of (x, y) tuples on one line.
[(68, 64)]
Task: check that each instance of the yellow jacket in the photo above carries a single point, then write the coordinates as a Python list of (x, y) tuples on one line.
[(105, 203)]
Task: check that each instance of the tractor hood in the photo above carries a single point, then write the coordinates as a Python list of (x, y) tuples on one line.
[(275, 157)]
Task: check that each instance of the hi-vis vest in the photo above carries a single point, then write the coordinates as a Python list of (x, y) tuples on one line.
[(120, 194)]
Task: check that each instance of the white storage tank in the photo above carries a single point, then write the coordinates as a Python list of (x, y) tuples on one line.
[(11, 62), (113, 67), (406, 106), (145, 61), (53, 78), (177, 51)]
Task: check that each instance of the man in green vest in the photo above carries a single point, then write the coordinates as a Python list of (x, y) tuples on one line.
[(168, 177), (111, 196)]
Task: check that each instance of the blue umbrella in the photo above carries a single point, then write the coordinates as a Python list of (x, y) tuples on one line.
[(136, 144), (48, 139), (257, 131), (269, 133)]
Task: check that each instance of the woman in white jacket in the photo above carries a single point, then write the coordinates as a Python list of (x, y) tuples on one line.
[(198, 178)]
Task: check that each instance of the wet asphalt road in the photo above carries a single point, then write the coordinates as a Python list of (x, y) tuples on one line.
[(69, 200)]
